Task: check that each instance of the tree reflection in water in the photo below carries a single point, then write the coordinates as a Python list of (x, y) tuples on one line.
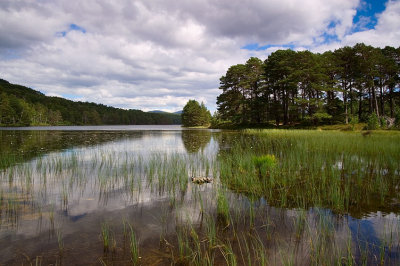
[(195, 140)]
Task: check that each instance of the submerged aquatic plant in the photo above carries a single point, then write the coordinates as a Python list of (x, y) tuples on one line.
[(106, 236), (264, 164), (60, 241), (134, 246), (223, 209), (267, 161)]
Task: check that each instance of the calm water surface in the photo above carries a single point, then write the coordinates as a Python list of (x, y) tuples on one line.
[(61, 186)]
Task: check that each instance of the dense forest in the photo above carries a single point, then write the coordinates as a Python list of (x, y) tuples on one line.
[(22, 106), (349, 85)]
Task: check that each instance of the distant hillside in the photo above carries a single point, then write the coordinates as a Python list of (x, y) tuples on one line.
[(158, 112), (163, 112), (22, 106)]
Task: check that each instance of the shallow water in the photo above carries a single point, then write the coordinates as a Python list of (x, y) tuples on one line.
[(60, 186)]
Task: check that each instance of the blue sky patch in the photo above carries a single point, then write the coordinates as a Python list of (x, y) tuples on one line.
[(366, 16), (257, 47), (10, 54), (328, 36), (77, 28), (72, 27), (70, 96)]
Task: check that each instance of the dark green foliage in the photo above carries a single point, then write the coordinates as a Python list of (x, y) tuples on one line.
[(291, 88), (22, 106), (373, 122), (195, 114), (353, 122), (397, 118), (241, 100)]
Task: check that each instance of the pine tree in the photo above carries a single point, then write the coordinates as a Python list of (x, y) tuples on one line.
[(195, 114)]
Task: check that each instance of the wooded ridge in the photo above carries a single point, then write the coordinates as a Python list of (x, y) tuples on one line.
[(22, 106)]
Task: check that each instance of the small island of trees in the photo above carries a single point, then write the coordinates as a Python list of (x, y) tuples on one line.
[(195, 115)]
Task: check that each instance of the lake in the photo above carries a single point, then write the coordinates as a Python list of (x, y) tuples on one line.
[(123, 195)]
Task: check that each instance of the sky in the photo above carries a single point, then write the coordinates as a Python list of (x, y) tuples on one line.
[(157, 54)]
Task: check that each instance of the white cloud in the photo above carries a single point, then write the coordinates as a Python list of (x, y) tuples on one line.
[(158, 54)]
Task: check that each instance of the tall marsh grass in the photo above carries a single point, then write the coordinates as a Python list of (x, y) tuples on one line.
[(343, 171)]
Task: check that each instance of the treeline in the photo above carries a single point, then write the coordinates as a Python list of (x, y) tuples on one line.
[(351, 84), (22, 106)]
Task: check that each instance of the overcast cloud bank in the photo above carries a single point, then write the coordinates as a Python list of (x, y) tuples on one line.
[(158, 54)]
